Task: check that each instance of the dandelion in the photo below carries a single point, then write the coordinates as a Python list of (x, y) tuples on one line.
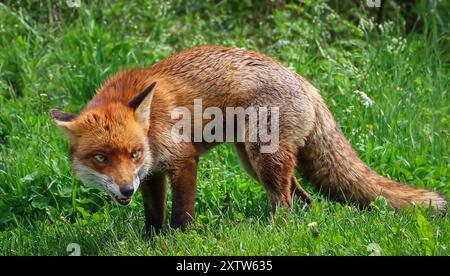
[(374, 249), (314, 229)]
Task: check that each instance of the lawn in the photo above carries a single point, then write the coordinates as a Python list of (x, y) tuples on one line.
[(386, 80)]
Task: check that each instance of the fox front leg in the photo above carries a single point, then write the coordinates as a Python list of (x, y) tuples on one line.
[(183, 181), (153, 189)]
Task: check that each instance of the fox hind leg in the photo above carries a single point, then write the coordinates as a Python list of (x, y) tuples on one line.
[(275, 172), (299, 192), (295, 187), (244, 159)]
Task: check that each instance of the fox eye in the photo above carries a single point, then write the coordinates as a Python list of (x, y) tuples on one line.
[(100, 158), (135, 154)]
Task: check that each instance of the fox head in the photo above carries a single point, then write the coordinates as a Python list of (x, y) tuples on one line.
[(108, 144)]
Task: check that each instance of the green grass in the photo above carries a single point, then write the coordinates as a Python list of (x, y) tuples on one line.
[(55, 56)]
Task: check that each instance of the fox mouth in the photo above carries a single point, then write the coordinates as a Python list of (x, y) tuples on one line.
[(123, 201), (102, 182)]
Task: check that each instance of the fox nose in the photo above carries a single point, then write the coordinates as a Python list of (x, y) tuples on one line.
[(127, 190)]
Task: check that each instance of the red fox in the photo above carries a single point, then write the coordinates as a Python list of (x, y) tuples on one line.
[(124, 137)]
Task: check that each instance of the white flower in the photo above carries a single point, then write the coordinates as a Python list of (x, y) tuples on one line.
[(366, 25), (365, 100), (396, 46)]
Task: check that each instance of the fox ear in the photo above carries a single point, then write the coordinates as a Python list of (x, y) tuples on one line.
[(141, 106), (63, 121)]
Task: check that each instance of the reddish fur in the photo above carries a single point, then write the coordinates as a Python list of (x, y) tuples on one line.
[(309, 137), (105, 129)]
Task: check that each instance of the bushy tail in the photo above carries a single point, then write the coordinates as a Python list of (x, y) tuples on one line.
[(329, 161)]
